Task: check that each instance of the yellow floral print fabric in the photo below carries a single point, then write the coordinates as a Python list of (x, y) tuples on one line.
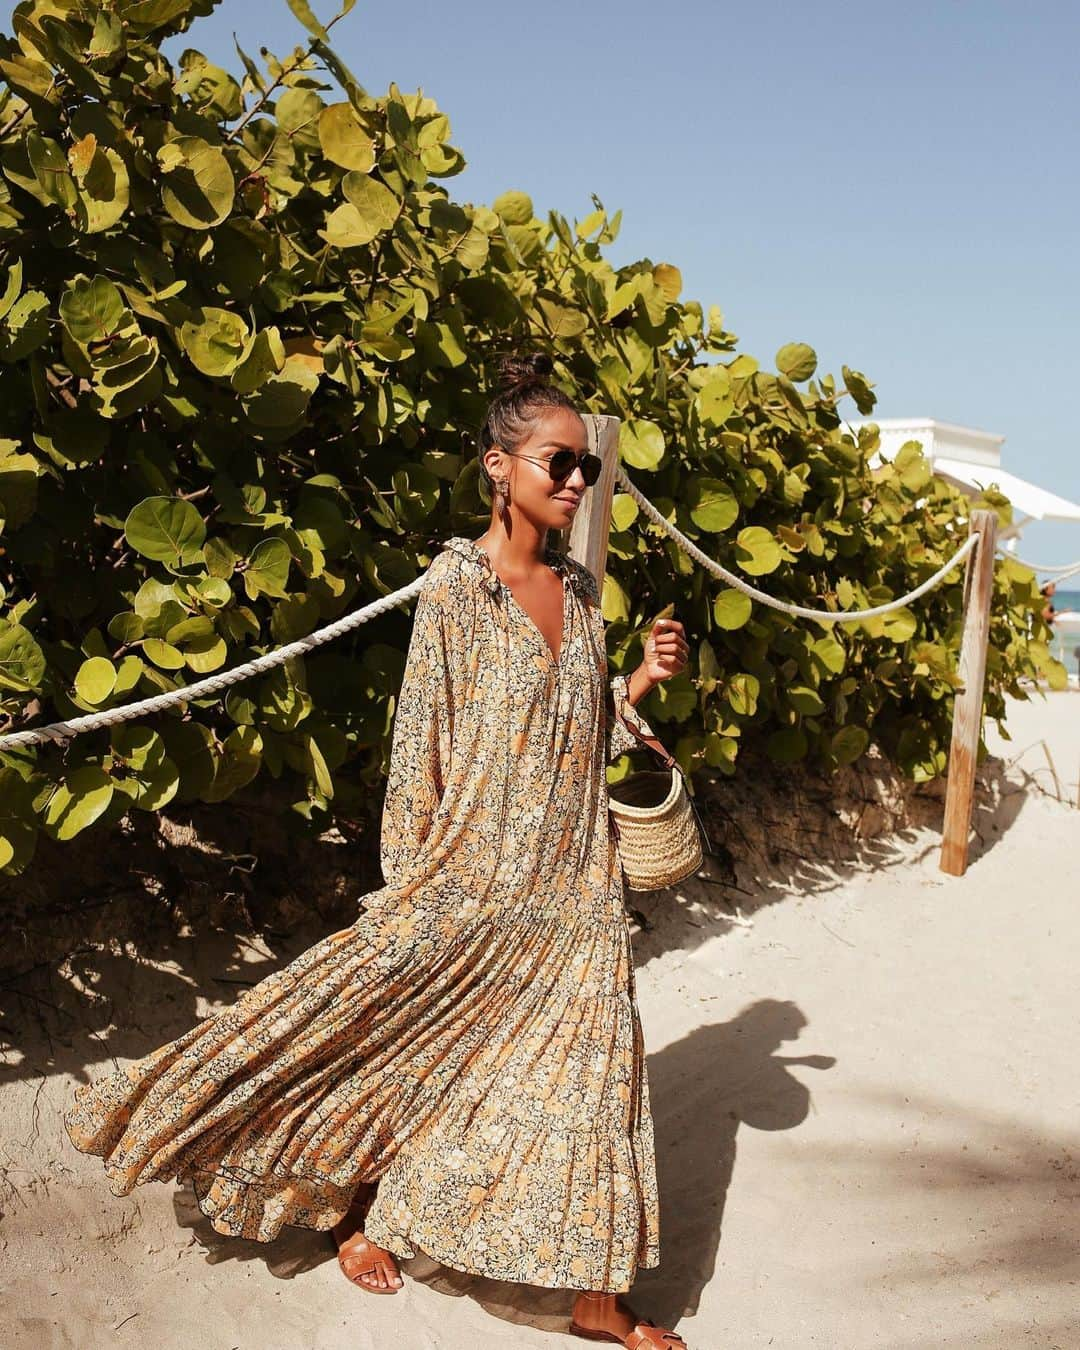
[(472, 1041)]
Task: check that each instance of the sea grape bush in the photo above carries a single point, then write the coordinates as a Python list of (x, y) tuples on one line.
[(244, 332)]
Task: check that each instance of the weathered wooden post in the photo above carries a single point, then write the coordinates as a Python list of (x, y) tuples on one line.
[(967, 709), (592, 520)]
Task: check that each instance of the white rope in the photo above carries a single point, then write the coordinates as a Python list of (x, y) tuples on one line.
[(63, 731), (1070, 568), (822, 615), (1061, 574), (1073, 571)]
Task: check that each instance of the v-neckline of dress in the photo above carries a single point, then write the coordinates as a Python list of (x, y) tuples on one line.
[(554, 561)]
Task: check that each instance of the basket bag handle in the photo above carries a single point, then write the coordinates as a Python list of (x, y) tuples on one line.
[(668, 759), (671, 764)]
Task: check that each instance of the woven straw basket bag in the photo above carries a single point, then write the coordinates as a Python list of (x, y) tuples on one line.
[(656, 824)]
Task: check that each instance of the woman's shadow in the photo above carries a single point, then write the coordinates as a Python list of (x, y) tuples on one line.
[(702, 1088)]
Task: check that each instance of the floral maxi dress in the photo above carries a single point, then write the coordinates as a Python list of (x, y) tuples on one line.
[(472, 1041)]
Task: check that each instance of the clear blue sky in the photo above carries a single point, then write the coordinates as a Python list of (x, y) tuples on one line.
[(896, 185)]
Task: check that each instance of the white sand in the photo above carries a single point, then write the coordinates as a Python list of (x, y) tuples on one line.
[(866, 1108)]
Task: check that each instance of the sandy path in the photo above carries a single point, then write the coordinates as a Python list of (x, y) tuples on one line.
[(867, 1127)]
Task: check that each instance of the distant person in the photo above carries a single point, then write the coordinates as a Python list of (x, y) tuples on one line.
[(1048, 609)]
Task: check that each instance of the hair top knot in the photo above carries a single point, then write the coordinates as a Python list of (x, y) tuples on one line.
[(528, 368)]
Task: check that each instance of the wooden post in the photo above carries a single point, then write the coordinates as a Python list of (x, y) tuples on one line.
[(967, 709), (591, 525)]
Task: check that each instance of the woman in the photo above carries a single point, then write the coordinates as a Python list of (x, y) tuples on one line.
[(461, 1071)]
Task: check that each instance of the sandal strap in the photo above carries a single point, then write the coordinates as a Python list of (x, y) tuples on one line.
[(353, 1244), (350, 1271), (647, 1333), (352, 1249)]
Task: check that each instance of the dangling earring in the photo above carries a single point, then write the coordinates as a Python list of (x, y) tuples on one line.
[(502, 496)]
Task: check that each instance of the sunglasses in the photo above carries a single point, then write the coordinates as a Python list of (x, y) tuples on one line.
[(563, 463)]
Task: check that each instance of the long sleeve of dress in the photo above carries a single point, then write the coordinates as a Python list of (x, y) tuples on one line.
[(422, 737), (618, 712)]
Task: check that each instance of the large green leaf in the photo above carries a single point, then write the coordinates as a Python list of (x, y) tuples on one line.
[(25, 328), (146, 15), (732, 609), (561, 320), (715, 401), (104, 191), (22, 662), (848, 744), (344, 138), (641, 443), (12, 286), (797, 361), (165, 529), (215, 340), (199, 188), (712, 504), (50, 168), (240, 762), (516, 208), (92, 310), (306, 15), (756, 551), (268, 569), (77, 801), (263, 355), (95, 679), (283, 397), (375, 205), (804, 699), (830, 653), (900, 624), (742, 694)]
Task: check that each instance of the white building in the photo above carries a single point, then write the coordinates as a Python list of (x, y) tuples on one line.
[(971, 460)]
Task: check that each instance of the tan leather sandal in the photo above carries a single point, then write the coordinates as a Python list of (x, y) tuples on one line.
[(645, 1335), (358, 1248)]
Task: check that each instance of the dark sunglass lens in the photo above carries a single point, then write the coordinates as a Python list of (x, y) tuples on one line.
[(563, 462)]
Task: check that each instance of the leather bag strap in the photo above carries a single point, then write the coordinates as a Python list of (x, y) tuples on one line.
[(669, 760)]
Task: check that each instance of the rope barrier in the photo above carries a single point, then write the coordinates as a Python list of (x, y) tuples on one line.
[(1060, 573), (823, 615), (1072, 571), (1070, 568), (62, 732)]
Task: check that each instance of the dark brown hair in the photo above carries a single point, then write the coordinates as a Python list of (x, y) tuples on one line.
[(523, 392)]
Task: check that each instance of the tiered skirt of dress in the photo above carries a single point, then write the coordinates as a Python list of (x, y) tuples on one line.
[(472, 1042)]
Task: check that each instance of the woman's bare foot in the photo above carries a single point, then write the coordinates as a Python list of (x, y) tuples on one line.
[(606, 1312), (364, 1262)]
